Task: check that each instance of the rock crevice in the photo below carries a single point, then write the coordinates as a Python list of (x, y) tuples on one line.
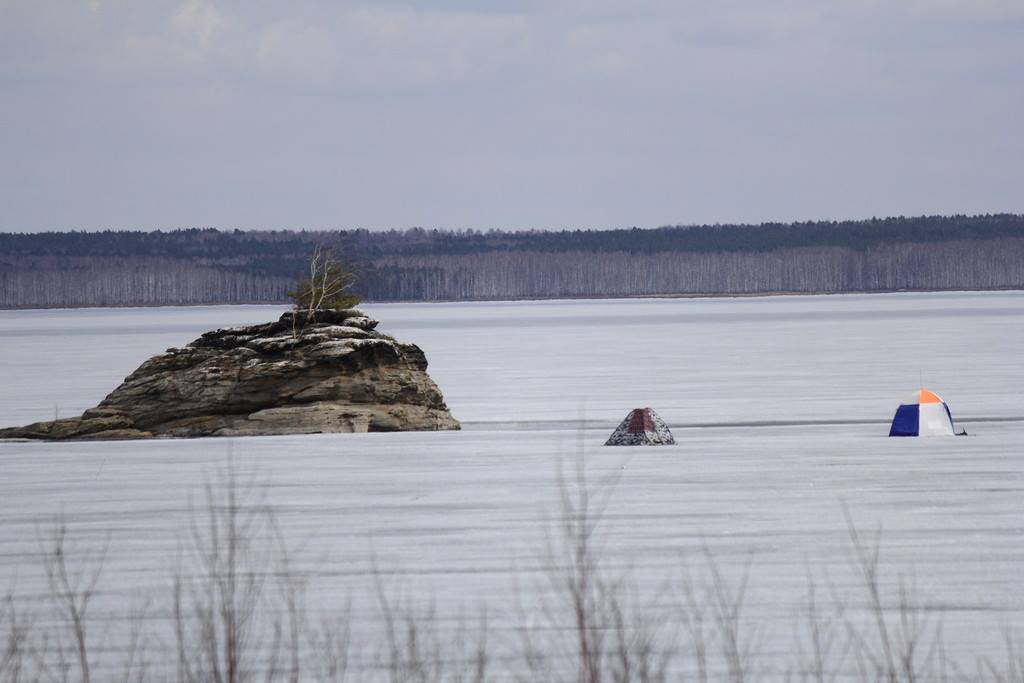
[(334, 373)]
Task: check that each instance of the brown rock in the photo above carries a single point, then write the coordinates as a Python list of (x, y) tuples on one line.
[(337, 375)]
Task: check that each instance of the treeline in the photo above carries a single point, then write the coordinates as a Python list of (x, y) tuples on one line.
[(132, 268), (990, 264)]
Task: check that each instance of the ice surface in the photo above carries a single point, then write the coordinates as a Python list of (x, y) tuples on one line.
[(459, 514)]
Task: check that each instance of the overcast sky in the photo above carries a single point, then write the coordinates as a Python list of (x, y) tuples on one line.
[(546, 113)]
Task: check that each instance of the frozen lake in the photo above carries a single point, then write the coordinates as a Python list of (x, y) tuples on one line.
[(780, 407)]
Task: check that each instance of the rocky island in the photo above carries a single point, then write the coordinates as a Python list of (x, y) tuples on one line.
[(330, 371)]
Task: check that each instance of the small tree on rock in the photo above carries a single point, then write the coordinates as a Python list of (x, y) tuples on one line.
[(325, 288)]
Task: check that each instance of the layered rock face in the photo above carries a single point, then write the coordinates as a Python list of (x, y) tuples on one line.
[(334, 374)]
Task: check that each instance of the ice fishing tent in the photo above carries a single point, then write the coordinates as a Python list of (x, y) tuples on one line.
[(642, 427), (924, 415)]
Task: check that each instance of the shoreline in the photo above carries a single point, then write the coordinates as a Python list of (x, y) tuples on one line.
[(608, 297)]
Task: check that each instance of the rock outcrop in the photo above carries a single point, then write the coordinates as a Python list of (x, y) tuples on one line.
[(335, 374)]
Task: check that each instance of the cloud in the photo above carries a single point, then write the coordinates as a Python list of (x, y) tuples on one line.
[(195, 34), (197, 20), (978, 10), (406, 47), (321, 45), (474, 112), (600, 49), (297, 52), (387, 48)]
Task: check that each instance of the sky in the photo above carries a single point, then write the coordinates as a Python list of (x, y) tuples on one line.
[(548, 114)]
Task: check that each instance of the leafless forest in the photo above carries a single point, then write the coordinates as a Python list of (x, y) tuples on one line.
[(209, 266)]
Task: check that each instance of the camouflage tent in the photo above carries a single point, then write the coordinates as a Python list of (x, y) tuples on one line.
[(642, 427)]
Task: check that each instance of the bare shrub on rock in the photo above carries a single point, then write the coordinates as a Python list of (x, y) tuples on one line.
[(327, 286)]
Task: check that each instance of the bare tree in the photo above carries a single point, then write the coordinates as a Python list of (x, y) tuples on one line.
[(220, 629), (694, 611), (819, 650), (136, 663), (608, 637), (16, 649), (903, 649), (326, 287), (727, 609), (329, 641), (72, 590), (412, 648)]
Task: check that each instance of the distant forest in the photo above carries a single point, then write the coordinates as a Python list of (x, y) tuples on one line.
[(201, 266)]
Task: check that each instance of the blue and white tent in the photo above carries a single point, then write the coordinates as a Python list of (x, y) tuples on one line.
[(924, 415)]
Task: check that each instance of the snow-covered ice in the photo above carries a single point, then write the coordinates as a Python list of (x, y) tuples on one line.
[(780, 408)]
